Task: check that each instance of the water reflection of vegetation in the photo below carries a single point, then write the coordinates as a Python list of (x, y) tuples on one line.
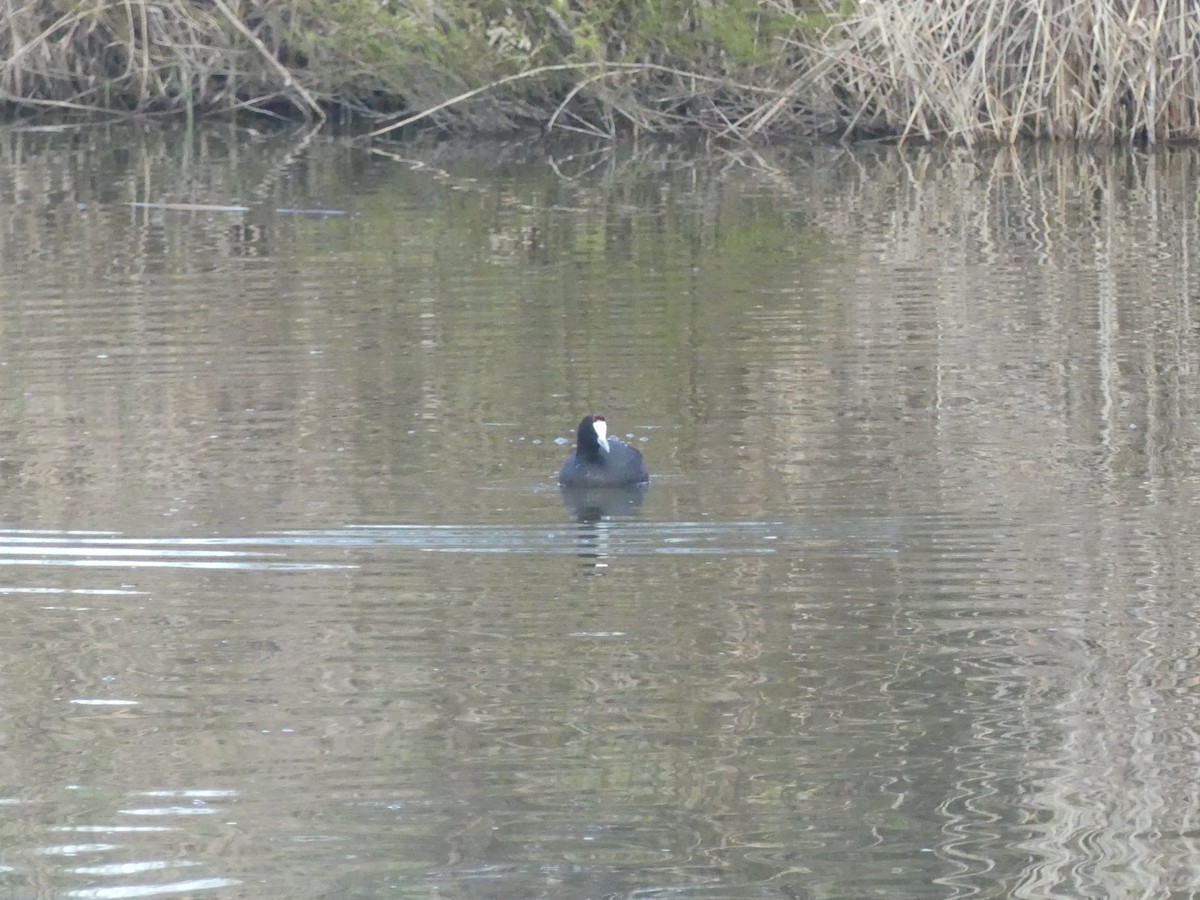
[(974, 335), (642, 248)]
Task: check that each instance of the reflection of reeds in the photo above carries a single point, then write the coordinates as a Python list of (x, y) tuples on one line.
[(1001, 69), (1085, 257)]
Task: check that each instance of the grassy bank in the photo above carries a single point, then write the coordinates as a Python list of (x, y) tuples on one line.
[(965, 69)]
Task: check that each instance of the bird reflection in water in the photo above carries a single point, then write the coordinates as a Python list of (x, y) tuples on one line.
[(593, 509)]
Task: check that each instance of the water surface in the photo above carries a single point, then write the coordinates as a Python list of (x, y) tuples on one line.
[(294, 608)]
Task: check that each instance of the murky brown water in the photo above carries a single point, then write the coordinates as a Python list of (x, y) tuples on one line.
[(293, 607)]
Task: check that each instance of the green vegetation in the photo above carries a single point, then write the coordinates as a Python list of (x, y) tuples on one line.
[(964, 69)]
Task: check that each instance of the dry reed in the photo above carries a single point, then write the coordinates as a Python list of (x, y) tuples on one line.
[(1003, 69), (969, 70), (140, 56)]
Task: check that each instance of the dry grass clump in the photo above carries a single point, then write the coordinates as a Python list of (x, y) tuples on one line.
[(147, 55), (965, 69), (970, 70), (1003, 69)]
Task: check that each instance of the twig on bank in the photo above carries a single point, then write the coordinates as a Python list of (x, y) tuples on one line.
[(609, 67), (288, 80)]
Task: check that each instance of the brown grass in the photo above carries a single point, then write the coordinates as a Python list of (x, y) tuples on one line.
[(139, 56), (967, 70), (1003, 69)]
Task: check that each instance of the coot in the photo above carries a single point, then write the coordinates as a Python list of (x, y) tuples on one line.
[(601, 461)]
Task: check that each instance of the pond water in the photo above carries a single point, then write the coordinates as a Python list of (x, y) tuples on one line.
[(293, 606)]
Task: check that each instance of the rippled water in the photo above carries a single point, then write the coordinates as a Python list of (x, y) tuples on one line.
[(294, 609)]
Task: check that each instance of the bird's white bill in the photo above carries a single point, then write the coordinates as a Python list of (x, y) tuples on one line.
[(601, 433)]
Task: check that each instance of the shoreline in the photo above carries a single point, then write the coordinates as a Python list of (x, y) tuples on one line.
[(747, 70)]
